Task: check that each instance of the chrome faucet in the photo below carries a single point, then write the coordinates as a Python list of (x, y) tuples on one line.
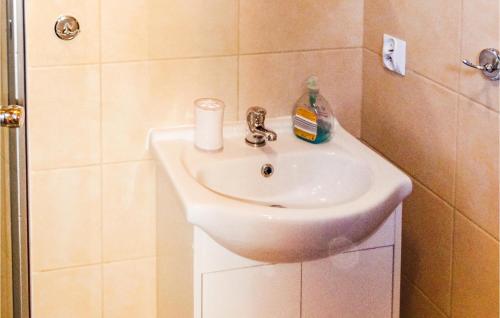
[(258, 133)]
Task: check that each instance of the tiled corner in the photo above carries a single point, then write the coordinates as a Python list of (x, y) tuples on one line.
[(45, 48), (141, 96), (129, 289), (129, 214), (414, 303), (427, 245), (277, 81), (475, 272), (125, 27), (192, 28), (64, 116), (65, 218), (311, 24), (431, 29), (74, 293), (477, 165), (413, 122), (479, 31)]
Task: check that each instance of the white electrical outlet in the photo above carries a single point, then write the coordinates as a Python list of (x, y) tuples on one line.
[(394, 54)]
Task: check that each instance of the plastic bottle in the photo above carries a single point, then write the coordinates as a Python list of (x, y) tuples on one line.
[(312, 115)]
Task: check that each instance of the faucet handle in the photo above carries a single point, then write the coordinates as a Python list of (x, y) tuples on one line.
[(256, 116)]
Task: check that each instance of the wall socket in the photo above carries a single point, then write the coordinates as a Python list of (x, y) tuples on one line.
[(394, 54)]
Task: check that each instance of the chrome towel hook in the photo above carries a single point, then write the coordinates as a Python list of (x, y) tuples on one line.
[(489, 64)]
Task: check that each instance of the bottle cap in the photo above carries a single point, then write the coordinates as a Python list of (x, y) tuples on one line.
[(312, 83)]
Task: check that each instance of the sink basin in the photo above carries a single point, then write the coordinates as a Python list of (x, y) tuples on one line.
[(309, 180), (289, 201)]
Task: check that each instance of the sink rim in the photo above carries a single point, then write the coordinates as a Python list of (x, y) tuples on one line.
[(201, 195)]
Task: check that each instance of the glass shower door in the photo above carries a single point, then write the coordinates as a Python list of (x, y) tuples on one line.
[(6, 306), (14, 282)]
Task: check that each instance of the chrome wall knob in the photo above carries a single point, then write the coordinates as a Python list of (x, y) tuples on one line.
[(489, 64), (67, 27), (11, 116)]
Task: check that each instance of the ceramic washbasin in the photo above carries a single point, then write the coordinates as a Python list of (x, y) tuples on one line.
[(319, 200)]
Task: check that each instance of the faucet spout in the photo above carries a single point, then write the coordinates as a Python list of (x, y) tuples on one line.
[(258, 134), (269, 135)]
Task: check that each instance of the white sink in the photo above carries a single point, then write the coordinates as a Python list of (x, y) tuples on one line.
[(320, 200)]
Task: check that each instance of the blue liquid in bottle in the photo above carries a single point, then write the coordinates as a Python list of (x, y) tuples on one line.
[(313, 118)]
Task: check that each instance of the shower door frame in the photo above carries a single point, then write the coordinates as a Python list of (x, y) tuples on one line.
[(17, 144)]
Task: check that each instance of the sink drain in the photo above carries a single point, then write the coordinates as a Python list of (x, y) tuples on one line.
[(267, 170)]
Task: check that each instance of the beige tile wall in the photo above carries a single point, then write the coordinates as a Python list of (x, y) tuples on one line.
[(138, 65), (440, 125)]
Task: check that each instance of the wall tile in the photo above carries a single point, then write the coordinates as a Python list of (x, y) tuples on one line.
[(412, 121), (129, 210), (65, 217), (189, 28), (276, 82), (130, 289), (475, 272), (125, 29), (162, 95), (414, 304), (64, 116), (427, 244), (74, 293), (45, 48), (431, 29), (477, 166), (480, 31), (307, 25), (126, 93)]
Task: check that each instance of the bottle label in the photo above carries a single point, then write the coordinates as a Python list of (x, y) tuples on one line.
[(305, 123)]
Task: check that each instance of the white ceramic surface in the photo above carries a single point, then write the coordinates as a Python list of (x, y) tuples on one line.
[(330, 196)]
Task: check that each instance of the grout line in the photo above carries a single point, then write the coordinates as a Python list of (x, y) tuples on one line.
[(239, 268), (93, 165), (100, 263), (455, 183), (479, 227), (238, 61), (404, 277), (442, 85), (301, 288), (346, 48), (362, 112), (101, 181), (195, 57)]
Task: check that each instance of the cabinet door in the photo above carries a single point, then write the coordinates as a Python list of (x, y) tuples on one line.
[(350, 285), (270, 291)]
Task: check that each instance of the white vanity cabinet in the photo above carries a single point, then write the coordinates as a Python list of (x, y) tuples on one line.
[(350, 285), (197, 277), (268, 291)]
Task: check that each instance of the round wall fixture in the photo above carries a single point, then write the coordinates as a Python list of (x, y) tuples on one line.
[(67, 27)]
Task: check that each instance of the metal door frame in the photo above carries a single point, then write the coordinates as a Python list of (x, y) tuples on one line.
[(16, 63)]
